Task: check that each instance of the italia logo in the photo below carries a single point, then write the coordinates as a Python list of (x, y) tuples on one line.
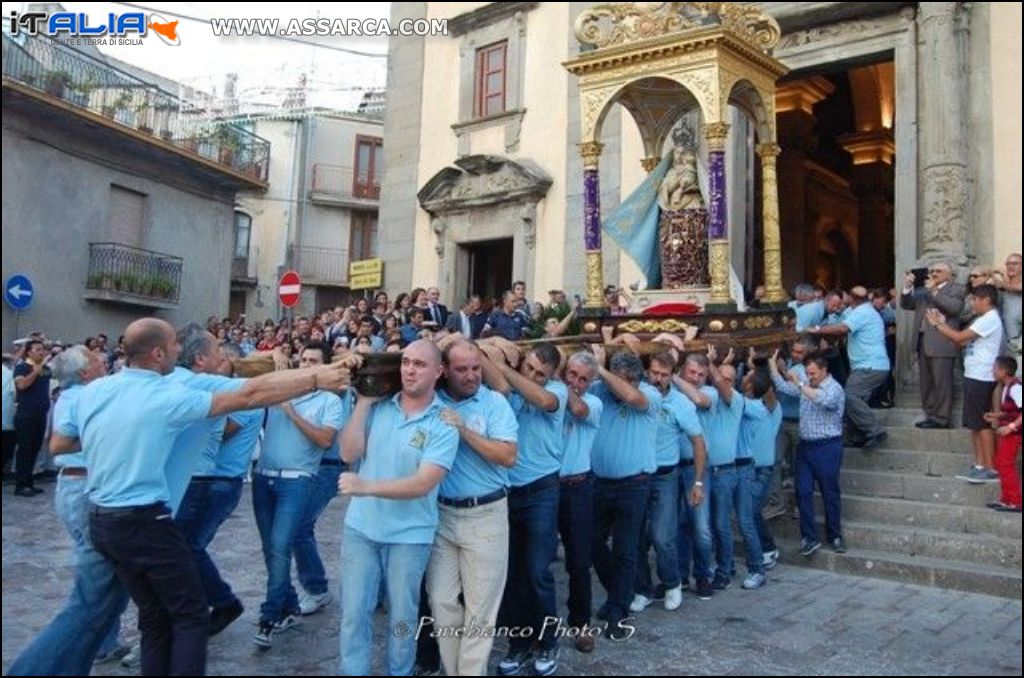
[(81, 25)]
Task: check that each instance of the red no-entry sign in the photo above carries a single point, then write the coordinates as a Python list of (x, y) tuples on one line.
[(289, 289)]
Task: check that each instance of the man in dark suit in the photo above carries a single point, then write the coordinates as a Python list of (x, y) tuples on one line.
[(469, 320), (935, 353), (436, 311)]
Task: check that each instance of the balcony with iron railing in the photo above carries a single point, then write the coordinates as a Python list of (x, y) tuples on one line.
[(337, 185), (130, 275), (51, 71), (323, 265)]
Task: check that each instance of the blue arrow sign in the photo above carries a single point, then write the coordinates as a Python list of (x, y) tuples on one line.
[(19, 292)]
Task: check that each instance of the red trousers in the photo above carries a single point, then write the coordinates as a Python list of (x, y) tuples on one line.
[(1007, 450)]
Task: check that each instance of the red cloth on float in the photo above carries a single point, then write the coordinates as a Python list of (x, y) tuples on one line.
[(673, 308)]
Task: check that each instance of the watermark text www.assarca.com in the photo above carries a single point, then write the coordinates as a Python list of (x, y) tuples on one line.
[(327, 27)]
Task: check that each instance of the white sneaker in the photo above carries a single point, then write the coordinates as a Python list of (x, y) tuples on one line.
[(133, 659), (754, 581), (770, 559), (640, 603), (310, 603), (673, 598)]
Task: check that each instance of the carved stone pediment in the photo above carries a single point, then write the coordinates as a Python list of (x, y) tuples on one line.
[(482, 180)]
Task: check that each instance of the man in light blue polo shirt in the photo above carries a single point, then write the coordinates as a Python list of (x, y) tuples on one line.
[(88, 626), (720, 410), (470, 551), (677, 421), (782, 500), (809, 310), (694, 537), (623, 460), (128, 425), (538, 401), (576, 491), (762, 416), (869, 363), (209, 498), (297, 434), (406, 450)]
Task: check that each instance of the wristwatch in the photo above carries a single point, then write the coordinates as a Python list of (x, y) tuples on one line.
[(698, 483)]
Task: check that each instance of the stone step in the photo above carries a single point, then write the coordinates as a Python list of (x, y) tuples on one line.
[(940, 572), (908, 416), (981, 549), (921, 488), (920, 462), (934, 440), (914, 515)]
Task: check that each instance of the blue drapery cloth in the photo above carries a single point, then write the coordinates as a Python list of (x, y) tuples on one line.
[(633, 225)]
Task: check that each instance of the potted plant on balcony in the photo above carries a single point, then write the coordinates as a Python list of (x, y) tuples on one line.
[(79, 93), (163, 287), (229, 144), (55, 82), (118, 108), (145, 113)]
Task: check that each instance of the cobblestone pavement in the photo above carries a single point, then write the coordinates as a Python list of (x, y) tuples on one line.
[(804, 622)]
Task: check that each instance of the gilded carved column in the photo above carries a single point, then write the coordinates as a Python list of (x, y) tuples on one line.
[(770, 222), (591, 152), (718, 219), (945, 202)]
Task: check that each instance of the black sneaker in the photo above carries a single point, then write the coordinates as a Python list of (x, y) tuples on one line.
[(418, 670), (874, 441), (27, 491), (221, 617), (264, 637), (704, 589), (809, 547), (721, 583), (659, 592), (514, 663), (838, 545), (604, 611)]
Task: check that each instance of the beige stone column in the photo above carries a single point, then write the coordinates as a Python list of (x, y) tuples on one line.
[(945, 195), (774, 293)]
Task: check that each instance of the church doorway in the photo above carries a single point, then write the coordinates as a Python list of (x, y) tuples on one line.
[(488, 268), (837, 175)]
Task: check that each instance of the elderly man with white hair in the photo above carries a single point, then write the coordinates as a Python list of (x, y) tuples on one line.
[(87, 628), (935, 353)]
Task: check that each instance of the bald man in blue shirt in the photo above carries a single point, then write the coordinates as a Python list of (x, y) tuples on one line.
[(127, 426)]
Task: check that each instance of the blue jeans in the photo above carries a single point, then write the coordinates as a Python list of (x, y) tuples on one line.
[(819, 461), (694, 538), (533, 545), (760, 490), (90, 621), (731, 491), (308, 565), (576, 525), (743, 502), (280, 505), (207, 504), (619, 507), (364, 564), (662, 526)]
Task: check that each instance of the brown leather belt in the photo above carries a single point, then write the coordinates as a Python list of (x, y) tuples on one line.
[(74, 471)]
